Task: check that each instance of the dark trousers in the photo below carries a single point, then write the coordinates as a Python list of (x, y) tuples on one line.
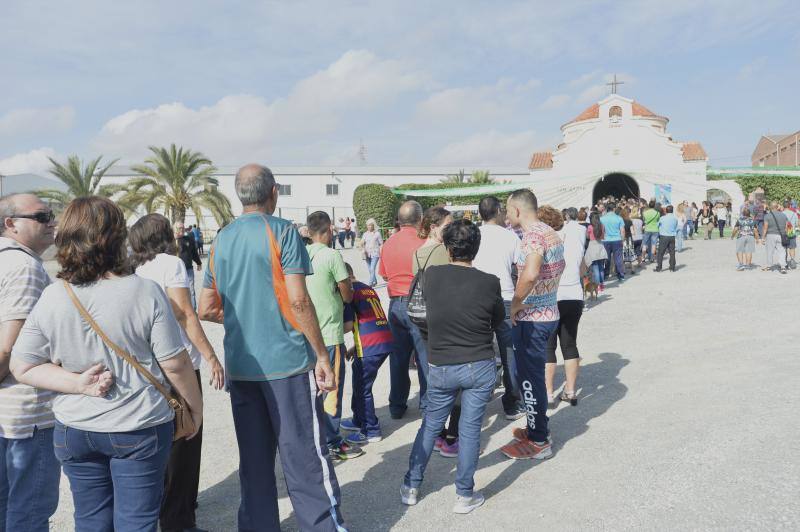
[(666, 243), (505, 343), (614, 251), (181, 481), (407, 338), (365, 370), (567, 331), (721, 226), (284, 415), (533, 337)]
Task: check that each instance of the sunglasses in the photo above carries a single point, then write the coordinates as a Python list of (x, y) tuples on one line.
[(44, 217)]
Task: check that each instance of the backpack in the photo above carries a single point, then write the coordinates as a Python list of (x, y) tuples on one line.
[(416, 307)]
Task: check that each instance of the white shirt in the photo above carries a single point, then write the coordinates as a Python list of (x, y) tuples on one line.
[(168, 271), (496, 255), (570, 287)]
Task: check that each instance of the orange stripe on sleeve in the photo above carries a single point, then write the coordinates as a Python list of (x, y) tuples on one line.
[(278, 281)]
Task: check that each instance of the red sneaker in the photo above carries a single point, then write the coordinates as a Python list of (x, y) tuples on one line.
[(526, 450)]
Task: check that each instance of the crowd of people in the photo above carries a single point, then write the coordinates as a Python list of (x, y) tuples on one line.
[(100, 369)]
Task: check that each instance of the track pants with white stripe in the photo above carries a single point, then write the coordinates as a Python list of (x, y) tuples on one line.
[(284, 415)]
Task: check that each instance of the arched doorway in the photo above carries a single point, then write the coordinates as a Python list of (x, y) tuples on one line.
[(617, 185)]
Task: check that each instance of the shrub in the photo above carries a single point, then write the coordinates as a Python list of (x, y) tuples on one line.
[(373, 200), (776, 187), (465, 199)]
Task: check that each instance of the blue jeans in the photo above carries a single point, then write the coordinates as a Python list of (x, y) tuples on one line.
[(332, 401), (531, 356), (679, 239), (106, 466), (648, 242), (407, 338), (29, 478), (505, 342), (372, 265), (475, 381), (614, 251), (598, 272), (688, 229), (365, 370)]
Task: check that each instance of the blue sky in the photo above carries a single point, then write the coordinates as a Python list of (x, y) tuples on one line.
[(422, 83)]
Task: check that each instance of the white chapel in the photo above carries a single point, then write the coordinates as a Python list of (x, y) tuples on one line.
[(619, 147)]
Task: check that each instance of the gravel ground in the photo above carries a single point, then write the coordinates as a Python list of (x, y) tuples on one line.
[(687, 395)]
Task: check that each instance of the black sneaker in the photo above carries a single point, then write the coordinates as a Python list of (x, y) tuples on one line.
[(345, 451), (515, 413)]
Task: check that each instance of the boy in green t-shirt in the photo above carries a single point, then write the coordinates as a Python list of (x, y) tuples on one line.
[(329, 288), (650, 218)]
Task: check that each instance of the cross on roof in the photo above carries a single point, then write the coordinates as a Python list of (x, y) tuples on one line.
[(614, 84)]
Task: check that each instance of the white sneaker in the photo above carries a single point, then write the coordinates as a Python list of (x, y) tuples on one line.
[(408, 495), (465, 505), (374, 439)]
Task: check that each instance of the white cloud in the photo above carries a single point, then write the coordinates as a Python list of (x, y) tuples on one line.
[(490, 148), (475, 105), (36, 120), (244, 126), (556, 101), (592, 94), (752, 68), (583, 80), (32, 162)]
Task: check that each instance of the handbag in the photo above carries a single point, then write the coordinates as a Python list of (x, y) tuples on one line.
[(782, 232), (184, 424), (416, 308)]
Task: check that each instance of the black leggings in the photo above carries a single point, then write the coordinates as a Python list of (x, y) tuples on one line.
[(567, 331)]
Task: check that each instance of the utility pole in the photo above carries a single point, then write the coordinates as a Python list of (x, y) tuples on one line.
[(1, 184)]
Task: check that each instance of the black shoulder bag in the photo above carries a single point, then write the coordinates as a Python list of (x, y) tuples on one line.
[(416, 308)]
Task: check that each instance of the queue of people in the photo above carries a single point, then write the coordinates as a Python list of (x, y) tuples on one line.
[(112, 393)]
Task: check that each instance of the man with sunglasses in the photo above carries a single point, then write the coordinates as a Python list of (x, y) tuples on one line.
[(29, 471)]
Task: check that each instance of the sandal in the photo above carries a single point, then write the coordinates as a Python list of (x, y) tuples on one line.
[(569, 397)]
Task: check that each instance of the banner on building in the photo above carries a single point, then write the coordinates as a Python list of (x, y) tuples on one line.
[(663, 194)]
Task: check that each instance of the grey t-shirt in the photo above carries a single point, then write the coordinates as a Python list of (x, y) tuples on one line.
[(778, 228), (136, 315)]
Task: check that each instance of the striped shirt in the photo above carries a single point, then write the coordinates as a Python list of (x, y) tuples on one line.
[(22, 279)]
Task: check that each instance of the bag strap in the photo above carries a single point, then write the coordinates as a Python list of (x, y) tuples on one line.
[(114, 347), (419, 270), (780, 231)]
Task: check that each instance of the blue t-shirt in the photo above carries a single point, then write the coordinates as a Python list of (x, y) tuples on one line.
[(668, 225), (247, 264), (613, 225)]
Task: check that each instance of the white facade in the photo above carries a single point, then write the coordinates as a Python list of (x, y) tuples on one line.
[(308, 189), (618, 136)]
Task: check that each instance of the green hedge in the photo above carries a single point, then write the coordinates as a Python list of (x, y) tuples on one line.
[(776, 187), (373, 200), (430, 201)]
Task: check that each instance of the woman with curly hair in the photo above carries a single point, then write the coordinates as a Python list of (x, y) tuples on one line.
[(114, 428)]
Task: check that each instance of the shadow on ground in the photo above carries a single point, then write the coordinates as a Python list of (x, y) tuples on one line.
[(600, 389)]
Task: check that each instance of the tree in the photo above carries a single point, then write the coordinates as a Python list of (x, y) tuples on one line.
[(481, 177), (175, 181), (81, 181), (459, 177), (373, 200)]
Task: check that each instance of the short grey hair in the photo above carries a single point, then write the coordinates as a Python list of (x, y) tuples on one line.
[(254, 184), (8, 209)]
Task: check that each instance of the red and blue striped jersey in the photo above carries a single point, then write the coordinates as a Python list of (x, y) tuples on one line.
[(370, 324)]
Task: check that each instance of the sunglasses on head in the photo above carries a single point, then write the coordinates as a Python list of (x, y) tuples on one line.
[(43, 217)]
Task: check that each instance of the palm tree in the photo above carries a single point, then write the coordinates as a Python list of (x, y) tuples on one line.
[(481, 177), (176, 181), (81, 181), (459, 177)]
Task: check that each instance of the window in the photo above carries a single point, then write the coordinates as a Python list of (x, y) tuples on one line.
[(285, 190), (615, 114), (332, 190)]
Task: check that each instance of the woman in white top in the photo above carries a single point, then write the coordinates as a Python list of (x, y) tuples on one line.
[(570, 304), (153, 245), (372, 241), (721, 212)]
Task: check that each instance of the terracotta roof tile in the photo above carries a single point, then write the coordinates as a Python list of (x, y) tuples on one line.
[(541, 160), (593, 111), (693, 151)]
